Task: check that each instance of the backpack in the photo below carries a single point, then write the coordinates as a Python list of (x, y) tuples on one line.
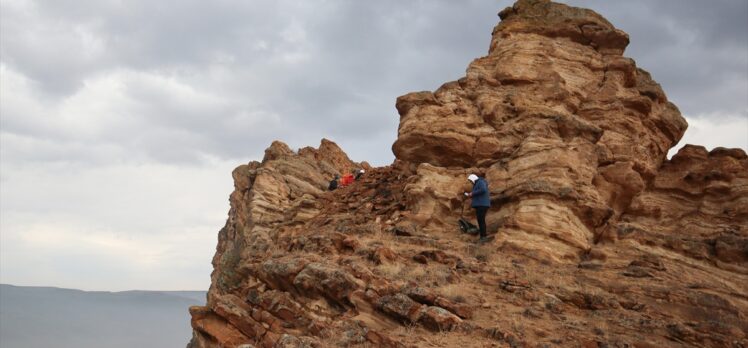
[(467, 227), (333, 185)]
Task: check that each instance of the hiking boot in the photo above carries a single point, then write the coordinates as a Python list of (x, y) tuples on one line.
[(484, 240)]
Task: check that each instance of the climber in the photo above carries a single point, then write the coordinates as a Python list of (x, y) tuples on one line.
[(359, 174), (346, 180), (480, 202), (333, 183)]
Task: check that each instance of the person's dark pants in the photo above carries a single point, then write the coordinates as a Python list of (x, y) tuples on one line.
[(480, 215)]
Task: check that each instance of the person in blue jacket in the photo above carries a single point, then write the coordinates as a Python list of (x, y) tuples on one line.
[(481, 202)]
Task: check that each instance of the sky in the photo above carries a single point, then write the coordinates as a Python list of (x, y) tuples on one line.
[(120, 121)]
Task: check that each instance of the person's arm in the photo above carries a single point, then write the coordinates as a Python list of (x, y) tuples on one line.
[(479, 188)]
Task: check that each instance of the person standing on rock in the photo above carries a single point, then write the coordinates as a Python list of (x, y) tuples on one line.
[(359, 174), (346, 180), (333, 183), (481, 202)]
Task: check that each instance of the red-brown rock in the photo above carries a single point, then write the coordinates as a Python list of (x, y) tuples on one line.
[(599, 239)]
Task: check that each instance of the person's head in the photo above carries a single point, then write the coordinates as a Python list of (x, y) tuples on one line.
[(472, 178), (337, 176), (361, 171)]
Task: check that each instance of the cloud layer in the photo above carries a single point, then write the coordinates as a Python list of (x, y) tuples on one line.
[(120, 121)]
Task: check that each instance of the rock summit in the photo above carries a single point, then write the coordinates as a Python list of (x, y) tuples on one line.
[(599, 239)]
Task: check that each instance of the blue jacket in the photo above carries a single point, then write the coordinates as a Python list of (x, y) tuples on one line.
[(481, 197)]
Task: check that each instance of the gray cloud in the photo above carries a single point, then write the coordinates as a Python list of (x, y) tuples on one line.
[(114, 113), (326, 69), (697, 50)]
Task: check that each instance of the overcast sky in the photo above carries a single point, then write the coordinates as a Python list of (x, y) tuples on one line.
[(120, 121)]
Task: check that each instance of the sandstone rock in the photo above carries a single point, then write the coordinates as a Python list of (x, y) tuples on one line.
[(439, 319), (326, 281), (401, 307), (280, 274), (556, 108), (213, 330), (383, 255), (440, 256), (599, 240), (430, 297), (683, 212), (289, 341), (238, 314)]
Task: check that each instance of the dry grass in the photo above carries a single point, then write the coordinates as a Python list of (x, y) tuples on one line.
[(390, 270), (412, 333), (405, 330), (484, 253), (328, 339), (517, 326), (551, 277), (361, 345), (439, 339), (454, 292), (418, 272), (389, 243), (423, 275), (402, 271), (409, 328)]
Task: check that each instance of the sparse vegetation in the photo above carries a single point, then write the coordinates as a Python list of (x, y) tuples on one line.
[(453, 292)]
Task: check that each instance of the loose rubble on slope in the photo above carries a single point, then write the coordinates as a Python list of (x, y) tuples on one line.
[(600, 241)]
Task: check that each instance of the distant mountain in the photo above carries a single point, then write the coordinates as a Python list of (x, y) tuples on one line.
[(33, 317)]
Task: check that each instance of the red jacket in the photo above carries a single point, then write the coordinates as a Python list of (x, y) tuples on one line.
[(346, 180)]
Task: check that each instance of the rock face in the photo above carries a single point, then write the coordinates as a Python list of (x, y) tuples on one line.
[(557, 118), (599, 239), (696, 207)]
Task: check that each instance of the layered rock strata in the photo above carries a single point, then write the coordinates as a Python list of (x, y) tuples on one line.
[(556, 117), (599, 239)]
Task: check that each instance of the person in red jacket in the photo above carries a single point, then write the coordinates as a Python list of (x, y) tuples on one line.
[(346, 180)]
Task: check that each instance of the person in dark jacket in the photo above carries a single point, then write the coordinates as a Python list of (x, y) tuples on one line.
[(333, 183), (481, 201), (359, 174)]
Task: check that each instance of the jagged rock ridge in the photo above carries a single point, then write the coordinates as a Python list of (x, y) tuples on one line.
[(601, 241)]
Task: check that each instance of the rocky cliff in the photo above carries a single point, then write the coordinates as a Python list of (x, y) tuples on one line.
[(599, 239)]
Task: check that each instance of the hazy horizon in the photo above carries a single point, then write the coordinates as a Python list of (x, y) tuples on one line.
[(108, 291), (33, 317)]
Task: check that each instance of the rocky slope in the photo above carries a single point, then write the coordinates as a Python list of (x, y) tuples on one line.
[(599, 239)]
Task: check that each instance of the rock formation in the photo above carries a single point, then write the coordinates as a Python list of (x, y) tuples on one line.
[(599, 239)]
